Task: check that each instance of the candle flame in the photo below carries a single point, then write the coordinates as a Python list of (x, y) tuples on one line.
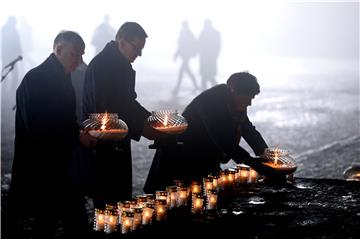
[(104, 120), (165, 120)]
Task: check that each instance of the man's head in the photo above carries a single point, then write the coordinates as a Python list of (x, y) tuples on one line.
[(244, 87), (69, 48), (131, 40)]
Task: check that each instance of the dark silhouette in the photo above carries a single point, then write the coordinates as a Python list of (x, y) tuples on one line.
[(46, 133), (217, 119), (187, 49), (103, 34), (209, 49), (110, 87)]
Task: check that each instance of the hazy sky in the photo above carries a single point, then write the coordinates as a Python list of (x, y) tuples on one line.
[(271, 36)]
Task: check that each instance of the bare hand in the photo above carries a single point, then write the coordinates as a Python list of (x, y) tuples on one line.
[(86, 139)]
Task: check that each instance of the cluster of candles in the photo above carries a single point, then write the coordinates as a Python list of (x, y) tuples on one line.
[(128, 216)]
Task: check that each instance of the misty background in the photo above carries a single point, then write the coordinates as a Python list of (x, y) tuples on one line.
[(305, 55)]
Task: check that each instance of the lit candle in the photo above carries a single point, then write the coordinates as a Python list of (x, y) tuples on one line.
[(231, 177), (224, 179), (208, 183), (171, 196), (160, 209), (197, 203), (122, 206), (127, 219), (211, 199), (161, 195), (99, 220), (253, 176), (215, 181), (111, 221), (150, 198), (182, 196), (195, 186), (137, 218), (148, 213), (244, 173), (140, 200)]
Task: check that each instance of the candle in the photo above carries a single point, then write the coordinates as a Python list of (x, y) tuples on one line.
[(127, 219), (197, 203), (161, 195), (122, 206), (148, 213), (111, 221), (140, 200), (195, 186), (244, 173), (224, 179), (253, 176), (215, 181), (160, 209), (171, 196), (99, 220), (150, 198), (182, 196), (179, 183), (208, 183), (211, 199), (137, 218), (231, 177)]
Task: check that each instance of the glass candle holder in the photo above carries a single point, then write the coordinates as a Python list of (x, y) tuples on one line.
[(99, 220), (211, 199), (244, 173), (179, 183), (171, 196), (231, 177), (224, 179), (207, 183), (216, 179), (111, 221), (161, 195), (127, 219), (182, 196), (133, 203), (197, 203), (141, 200), (253, 176), (196, 186), (150, 198), (168, 121), (122, 206), (148, 213), (160, 209), (137, 218)]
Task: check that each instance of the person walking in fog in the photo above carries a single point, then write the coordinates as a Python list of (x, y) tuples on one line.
[(209, 50), (46, 133), (102, 34), (187, 49), (110, 87)]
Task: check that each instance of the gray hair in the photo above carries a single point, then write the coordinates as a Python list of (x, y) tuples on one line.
[(130, 31), (69, 37)]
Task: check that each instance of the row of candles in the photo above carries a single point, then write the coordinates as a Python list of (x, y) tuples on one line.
[(200, 195)]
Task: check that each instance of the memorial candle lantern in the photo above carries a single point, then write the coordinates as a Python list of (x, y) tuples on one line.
[(99, 220), (231, 177), (211, 199), (105, 126), (224, 179), (150, 198), (195, 186), (137, 218), (141, 200), (160, 209), (182, 196), (171, 196), (111, 220), (197, 203), (122, 206), (253, 176), (280, 161), (148, 213), (208, 183), (244, 173), (179, 183), (168, 121), (161, 195), (127, 219), (216, 181)]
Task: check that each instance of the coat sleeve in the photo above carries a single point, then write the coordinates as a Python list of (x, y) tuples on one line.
[(253, 137)]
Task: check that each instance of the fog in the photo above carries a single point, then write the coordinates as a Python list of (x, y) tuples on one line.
[(286, 44)]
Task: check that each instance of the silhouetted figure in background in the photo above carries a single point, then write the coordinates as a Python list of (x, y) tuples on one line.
[(41, 186), (103, 34), (209, 49), (187, 49)]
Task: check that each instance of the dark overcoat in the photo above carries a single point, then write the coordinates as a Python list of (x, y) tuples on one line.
[(110, 87)]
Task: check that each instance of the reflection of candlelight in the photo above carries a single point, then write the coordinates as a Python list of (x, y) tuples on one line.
[(99, 221)]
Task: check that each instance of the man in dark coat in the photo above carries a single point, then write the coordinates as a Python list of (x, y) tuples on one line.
[(110, 87), (217, 119), (45, 134)]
